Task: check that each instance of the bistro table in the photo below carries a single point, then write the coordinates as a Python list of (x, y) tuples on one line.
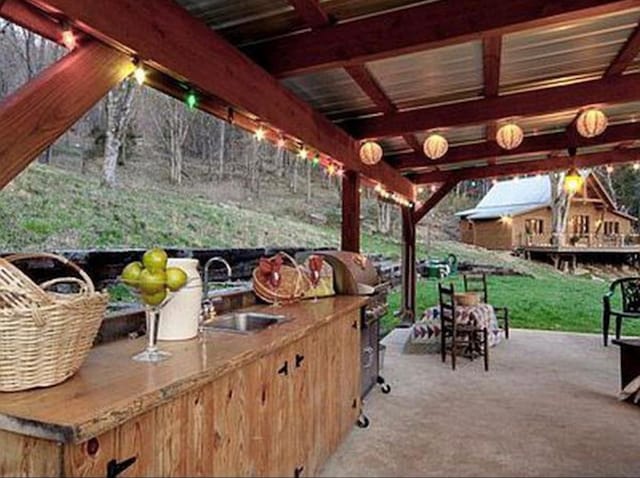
[(427, 329)]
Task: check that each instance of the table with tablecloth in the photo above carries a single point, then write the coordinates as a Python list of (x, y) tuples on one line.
[(426, 331)]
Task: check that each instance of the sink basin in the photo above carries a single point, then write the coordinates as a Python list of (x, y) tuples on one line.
[(244, 322)]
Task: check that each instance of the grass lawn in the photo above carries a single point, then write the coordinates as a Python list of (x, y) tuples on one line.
[(550, 302)]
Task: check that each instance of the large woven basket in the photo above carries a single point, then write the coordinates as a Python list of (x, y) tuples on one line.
[(293, 283), (45, 336)]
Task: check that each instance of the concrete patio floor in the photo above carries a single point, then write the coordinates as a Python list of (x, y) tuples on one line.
[(547, 407)]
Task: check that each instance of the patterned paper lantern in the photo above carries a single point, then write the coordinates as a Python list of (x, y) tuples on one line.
[(435, 146), (509, 136), (591, 122), (370, 153)]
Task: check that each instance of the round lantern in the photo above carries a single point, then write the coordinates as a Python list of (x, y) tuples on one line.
[(509, 136), (435, 146), (591, 122), (370, 153)]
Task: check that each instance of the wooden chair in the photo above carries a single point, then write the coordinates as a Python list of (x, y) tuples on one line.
[(467, 338), (630, 292), (478, 283)]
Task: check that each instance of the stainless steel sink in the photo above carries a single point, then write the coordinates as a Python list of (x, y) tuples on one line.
[(244, 322)]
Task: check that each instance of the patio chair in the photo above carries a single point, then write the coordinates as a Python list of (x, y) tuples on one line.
[(467, 338), (478, 283), (630, 295)]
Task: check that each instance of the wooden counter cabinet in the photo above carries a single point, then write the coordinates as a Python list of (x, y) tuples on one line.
[(282, 414)]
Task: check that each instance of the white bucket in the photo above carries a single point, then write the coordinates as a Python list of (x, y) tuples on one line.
[(179, 319)]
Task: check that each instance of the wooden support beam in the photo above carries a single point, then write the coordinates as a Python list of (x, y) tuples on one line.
[(437, 196), (311, 12), (626, 55), (408, 267), (537, 166), (168, 38), (531, 145), (365, 80), (25, 15), (350, 212), (616, 89), (33, 117), (491, 53), (416, 28)]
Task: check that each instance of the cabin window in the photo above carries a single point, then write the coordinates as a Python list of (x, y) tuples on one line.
[(611, 228), (534, 226), (581, 224)]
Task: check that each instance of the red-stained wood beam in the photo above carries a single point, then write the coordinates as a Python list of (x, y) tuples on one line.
[(311, 12), (538, 166), (491, 59), (531, 145), (614, 89), (168, 38), (433, 200), (37, 114), (365, 80), (26, 16), (626, 55), (416, 28), (350, 212)]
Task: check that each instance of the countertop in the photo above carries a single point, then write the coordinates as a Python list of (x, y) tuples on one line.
[(110, 388)]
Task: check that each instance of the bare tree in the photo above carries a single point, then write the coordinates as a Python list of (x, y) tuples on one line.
[(560, 202), (118, 114)]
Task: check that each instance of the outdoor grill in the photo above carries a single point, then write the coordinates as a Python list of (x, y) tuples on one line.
[(354, 274)]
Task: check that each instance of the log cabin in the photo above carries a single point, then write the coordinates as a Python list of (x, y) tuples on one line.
[(518, 213)]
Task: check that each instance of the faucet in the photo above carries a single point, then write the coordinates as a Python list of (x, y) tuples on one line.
[(207, 304)]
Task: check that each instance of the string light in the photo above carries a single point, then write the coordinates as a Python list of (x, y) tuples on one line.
[(609, 168), (636, 166), (140, 74), (281, 142), (420, 190), (191, 99), (69, 39), (316, 160), (303, 153), (331, 169), (260, 133), (340, 172)]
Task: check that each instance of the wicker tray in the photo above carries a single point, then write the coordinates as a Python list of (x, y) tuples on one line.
[(45, 336)]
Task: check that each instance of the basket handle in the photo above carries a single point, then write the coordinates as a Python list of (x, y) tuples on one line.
[(66, 280), (63, 260), (296, 266)]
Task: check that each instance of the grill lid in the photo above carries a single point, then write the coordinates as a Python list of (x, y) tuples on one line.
[(350, 271)]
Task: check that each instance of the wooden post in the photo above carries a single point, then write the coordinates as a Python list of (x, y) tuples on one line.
[(408, 267), (351, 212), (33, 117)]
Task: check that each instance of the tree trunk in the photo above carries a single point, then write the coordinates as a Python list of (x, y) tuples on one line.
[(560, 202), (221, 150), (118, 112), (309, 181)]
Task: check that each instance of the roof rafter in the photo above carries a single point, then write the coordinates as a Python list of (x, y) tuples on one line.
[(615, 89), (417, 28), (433, 200), (626, 55), (168, 38), (311, 12), (537, 166), (532, 145)]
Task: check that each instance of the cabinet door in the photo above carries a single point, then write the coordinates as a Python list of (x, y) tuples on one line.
[(136, 439), (305, 400), (91, 457), (350, 380)]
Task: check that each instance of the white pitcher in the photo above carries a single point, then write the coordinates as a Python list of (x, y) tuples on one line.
[(180, 317)]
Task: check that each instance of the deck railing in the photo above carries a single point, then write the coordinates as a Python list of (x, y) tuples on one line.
[(581, 240)]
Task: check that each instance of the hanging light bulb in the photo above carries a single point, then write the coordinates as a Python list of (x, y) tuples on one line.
[(140, 74), (591, 122), (260, 133), (68, 38), (636, 166), (303, 153), (435, 146), (609, 168), (331, 169), (573, 181), (509, 136), (370, 153)]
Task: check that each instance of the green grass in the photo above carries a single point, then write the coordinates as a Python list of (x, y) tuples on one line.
[(550, 302)]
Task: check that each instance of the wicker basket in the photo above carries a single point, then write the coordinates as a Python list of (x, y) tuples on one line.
[(467, 299), (293, 283), (44, 336)]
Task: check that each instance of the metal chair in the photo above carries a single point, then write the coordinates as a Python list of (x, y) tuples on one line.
[(469, 338), (478, 283), (630, 292)]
